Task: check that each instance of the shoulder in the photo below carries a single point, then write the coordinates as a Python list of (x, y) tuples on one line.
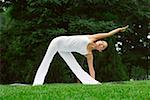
[(89, 55), (91, 38), (89, 49)]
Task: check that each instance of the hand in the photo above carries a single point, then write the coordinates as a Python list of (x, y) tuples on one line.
[(123, 28)]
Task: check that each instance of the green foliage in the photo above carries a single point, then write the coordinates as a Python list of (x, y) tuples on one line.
[(138, 73), (28, 26), (109, 67), (90, 25)]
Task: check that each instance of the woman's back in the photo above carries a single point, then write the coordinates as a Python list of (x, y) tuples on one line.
[(77, 43)]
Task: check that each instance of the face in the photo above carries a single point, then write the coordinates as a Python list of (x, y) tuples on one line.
[(101, 45)]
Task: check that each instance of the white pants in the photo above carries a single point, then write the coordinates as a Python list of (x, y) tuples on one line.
[(83, 76)]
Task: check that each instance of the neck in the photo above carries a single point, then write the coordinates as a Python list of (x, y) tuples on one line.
[(93, 46)]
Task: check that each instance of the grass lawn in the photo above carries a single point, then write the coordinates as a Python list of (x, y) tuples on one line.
[(135, 90)]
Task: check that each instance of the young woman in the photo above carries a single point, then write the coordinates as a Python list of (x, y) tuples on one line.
[(83, 44)]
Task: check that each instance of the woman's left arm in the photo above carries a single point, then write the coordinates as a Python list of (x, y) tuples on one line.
[(90, 64)]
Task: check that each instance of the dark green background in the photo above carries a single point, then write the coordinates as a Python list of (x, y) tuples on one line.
[(28, 26)]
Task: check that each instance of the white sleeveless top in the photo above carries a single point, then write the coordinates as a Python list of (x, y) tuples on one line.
[(76, 43)]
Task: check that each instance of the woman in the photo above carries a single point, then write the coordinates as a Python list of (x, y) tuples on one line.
[(83, 44)]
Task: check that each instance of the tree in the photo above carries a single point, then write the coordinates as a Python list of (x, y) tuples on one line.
[(33, 24)]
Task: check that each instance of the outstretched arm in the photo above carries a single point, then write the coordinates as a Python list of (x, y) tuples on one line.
[(104, 35), (90, 64)]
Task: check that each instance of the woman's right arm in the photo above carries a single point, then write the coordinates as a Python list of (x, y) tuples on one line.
[(104, 35)]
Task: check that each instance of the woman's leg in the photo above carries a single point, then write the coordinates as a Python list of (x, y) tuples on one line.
[(83, 76), (42, 70)]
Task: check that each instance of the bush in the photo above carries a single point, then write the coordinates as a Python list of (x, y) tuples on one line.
[(138, 73)]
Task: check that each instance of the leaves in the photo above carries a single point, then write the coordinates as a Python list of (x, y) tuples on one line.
[(29, 25)]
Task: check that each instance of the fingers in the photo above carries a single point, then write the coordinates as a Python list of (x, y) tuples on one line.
[(126, 27)]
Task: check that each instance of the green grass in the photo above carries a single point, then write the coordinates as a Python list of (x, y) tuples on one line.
[(135, 90)]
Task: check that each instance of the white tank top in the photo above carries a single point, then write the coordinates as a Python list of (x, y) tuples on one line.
[(76, 43)]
